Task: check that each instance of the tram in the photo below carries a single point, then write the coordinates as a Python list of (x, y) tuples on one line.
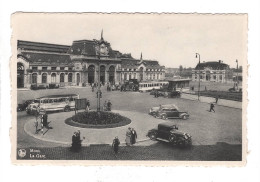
[(150, 85)]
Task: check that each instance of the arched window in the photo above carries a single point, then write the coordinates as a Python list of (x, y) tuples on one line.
[(53, 78), (70, 77), (61, 77), (34, 78), (44, 78)]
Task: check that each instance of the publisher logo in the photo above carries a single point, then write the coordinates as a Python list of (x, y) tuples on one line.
[(22, 153)]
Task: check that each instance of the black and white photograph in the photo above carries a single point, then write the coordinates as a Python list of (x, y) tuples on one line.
[(146, 88)]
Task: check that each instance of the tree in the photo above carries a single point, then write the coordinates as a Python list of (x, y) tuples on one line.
[(180, 69)]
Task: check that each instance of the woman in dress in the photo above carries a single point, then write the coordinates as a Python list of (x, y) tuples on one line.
[(128, 137)]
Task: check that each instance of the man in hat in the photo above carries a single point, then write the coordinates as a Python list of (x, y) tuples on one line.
[(115, 145), (212, 107), (109, 105)]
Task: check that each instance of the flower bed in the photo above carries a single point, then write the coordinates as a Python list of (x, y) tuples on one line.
[(95, 119)]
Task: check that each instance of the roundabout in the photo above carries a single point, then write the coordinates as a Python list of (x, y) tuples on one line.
[(61, 132)]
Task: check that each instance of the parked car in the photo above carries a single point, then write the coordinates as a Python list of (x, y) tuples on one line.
[(174, 94), (53, 86), (22, 107), (168, 111), (169, 132)]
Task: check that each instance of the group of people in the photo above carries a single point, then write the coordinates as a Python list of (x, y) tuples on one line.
[(107, 105), (131, 136), (76, 142), (42, 118)]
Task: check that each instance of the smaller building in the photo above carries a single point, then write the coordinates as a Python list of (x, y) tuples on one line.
[(181, 84), (215, 71)]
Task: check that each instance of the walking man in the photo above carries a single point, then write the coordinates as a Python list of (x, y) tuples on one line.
[(115, 145), (109, 105), (217, 97), (212, 107)]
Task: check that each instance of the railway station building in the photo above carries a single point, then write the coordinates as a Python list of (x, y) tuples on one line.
[(214, 71), (42, 64)]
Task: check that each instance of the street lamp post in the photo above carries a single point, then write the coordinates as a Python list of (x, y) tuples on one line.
[(237, 74), (198, 55), (98, 91)]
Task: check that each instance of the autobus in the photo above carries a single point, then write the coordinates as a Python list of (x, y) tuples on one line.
[(64, 102), (150, 85)]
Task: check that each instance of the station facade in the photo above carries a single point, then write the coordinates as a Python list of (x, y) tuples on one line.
[(215, 71), (79, 64)]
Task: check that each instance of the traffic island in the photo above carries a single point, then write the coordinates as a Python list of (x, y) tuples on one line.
[(61, 133), (98, 120)]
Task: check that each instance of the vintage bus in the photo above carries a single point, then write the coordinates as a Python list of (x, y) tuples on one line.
[(150, 85), (64, 102)]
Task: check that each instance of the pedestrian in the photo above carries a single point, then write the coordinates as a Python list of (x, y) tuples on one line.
[(42, 126), (109, 105), (212, 107), (45, 120), (134, 136), (92, 88), (76, 142), (115, 145), (217, 97), (105, 106), (36, 123), (87, 105), (128, 137)]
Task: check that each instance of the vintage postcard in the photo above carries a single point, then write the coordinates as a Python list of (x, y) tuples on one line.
[(129, 89)]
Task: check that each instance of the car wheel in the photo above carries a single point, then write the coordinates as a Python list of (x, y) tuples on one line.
[(152, 136), (184, 117), (164, 117), (67, 109), (172, 138)]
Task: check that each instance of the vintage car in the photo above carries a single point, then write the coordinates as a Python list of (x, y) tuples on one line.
[(23, 106), (169, 132), (168, 111), (173, 94)]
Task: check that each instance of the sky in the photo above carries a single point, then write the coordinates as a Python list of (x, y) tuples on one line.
[(171, 39)]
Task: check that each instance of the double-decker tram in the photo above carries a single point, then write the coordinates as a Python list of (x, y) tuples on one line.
[(150, 85)]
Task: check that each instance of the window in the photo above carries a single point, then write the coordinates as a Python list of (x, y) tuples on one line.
[(70, 77), (214, 77), (44, 78), (61, 77), (220, 77), (53, 78), (34, 78), (70, 68), (62, 68), (44, 68), (34, 68), (53, 68)]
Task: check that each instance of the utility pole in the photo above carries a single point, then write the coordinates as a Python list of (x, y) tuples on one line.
[(198, 55)]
